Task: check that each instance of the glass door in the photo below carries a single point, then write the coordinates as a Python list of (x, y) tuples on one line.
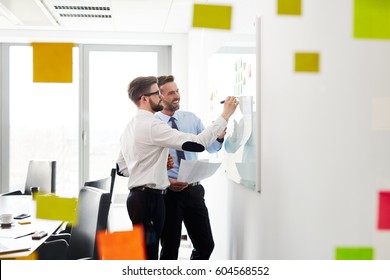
[(109, 70)]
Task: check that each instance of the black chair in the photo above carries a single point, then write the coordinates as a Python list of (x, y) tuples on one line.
[(93, 207), (40, 173), (106, 184)]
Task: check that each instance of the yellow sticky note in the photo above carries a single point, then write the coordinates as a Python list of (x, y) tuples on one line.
[(52, 62), (52, 207), (372, 19), (212, 16), (307, 62), (289, 7)]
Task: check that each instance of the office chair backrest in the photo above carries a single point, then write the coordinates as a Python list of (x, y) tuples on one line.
[(41, 174), (92, 213), (106, 184)]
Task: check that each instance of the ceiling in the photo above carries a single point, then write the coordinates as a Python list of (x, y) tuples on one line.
[(170, 16)]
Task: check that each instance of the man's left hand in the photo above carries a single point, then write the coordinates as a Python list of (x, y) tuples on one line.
[(177, 186)]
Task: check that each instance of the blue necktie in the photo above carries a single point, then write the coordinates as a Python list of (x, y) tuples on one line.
[(180, 154)]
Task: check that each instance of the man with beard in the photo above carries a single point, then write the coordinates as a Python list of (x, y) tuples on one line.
[(144, 152), (184, 203)]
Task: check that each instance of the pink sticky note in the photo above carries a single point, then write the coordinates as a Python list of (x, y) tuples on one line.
[(384, 210)]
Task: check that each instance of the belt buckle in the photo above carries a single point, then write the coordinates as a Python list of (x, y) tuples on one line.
[(145, 188)]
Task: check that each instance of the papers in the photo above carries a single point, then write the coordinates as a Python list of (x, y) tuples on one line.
[(16, 231), (196, 170), (12, 245)]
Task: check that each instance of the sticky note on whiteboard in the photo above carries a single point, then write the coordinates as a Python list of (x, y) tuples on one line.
[(212, 16), (307, 62)]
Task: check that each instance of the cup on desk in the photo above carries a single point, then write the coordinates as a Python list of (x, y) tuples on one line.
[(34, 192), (6, 219)]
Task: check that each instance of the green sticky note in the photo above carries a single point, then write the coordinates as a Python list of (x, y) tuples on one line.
[(354, 253), (289, 7), (307, 62), (212, 16), (371, 19), (52, 207)]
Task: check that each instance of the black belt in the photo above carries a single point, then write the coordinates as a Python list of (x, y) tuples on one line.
[(149, 190), (194, 184)]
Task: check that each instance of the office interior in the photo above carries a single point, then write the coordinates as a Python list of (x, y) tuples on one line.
[(323, 153)]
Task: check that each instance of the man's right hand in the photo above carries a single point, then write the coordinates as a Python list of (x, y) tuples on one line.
[(229, 107), (170, 163), (177, 186)]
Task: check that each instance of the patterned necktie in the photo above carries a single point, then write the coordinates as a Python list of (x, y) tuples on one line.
[(180, 154)]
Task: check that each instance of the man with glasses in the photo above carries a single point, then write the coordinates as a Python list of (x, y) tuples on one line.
[(144, 150), (184, 203)]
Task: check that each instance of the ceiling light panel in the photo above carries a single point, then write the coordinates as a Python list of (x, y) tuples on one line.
[(83, 14)]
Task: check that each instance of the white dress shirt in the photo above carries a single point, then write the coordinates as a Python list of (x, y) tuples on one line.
[(144, 147)]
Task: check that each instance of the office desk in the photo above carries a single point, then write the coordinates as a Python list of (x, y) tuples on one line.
[(18, 204)]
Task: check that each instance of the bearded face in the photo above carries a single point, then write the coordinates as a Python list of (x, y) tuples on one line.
[(156, 107)]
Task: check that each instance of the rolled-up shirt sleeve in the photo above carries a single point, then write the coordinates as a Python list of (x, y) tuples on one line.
[(121, 167), (163, 135)]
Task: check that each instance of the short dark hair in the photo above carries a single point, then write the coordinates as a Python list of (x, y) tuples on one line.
[(162, 80), (140, 86)]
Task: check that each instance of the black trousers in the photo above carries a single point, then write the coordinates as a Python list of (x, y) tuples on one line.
[(148, 209), (187, 206)]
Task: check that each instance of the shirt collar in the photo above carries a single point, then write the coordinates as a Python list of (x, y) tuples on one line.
[(165, 117), (144, 112)]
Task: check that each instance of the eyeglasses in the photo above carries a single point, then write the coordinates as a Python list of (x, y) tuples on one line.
[(150, 94)]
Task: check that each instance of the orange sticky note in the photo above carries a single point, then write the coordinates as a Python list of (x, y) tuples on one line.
[(52, 62), (52, 207), (122, 245), (33, 256)]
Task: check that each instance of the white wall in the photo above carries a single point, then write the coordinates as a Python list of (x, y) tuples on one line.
[(325, 137), (325, 141), (201, 44)]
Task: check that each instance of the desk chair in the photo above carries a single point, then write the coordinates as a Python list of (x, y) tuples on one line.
[(40, 173), (92, 213), (106, 184)]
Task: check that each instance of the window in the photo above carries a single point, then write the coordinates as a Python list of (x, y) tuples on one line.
[(43, 122), (77, 124)]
